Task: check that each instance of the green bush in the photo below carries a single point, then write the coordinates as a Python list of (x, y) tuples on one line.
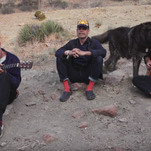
[(51, 27), (39, 15), (30, 33), (25, 35), (38, 33)]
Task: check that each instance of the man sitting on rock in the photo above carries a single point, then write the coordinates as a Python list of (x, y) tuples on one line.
[(9, 82), (80, 60)]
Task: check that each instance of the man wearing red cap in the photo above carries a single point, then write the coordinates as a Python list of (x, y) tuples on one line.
[(80, 60)]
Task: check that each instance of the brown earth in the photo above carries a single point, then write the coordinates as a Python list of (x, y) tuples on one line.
[(37, 112)]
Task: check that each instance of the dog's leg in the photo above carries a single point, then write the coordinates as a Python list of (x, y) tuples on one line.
[(114, 61), (136, 63), (109, 60)]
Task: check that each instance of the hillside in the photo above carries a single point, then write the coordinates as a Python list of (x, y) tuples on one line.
[(38, 121)]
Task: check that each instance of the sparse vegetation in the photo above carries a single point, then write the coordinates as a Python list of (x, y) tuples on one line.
[(7, 8), (98, 24), (38, 33), (64, 4), (118, 0), (12, 6), (28, 5), (58, 4)]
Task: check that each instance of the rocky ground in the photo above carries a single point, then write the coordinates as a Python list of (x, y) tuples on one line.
[(119, 119)]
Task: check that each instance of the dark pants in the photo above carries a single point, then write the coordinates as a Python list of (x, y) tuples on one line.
[(143, 83), (67, 70), (7, 93)]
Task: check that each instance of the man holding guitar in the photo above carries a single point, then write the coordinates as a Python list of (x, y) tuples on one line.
[(9, 81)]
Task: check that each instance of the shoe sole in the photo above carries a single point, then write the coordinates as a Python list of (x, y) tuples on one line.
[(1, 131)]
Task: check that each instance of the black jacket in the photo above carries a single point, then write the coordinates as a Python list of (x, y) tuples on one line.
[(93, 45)]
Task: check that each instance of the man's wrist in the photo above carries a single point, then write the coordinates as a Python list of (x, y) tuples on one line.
[(88, 53), (67, 52)]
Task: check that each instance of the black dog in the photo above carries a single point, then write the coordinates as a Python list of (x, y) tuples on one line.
[(127, 43)]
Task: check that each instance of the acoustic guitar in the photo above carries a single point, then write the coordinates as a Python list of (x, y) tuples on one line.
[(23, 65)]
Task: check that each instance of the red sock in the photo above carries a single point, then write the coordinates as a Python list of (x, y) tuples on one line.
[(90, 86), (66, 86)]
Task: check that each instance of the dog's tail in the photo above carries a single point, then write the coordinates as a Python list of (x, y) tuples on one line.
[(102, 38)]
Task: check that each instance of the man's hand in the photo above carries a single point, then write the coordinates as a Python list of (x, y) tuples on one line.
[(148, 67), (79, 52), (148, 63), (71, 53), (76, 52), (1, 70)]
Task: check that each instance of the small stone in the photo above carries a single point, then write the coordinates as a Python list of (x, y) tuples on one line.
[(48, 138), (77, 86), (41, 92), (23, 148), (83, 125), (132, 102), (30, 104), (117, 91), (3, 144), (78, 114), (123, 120), (45, 99), (43, 144), (53, 96), (21, 24), (33, 145)]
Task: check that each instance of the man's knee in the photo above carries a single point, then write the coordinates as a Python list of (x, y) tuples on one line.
[(136, 80), (4, 77), (59, 60), (99, 60)]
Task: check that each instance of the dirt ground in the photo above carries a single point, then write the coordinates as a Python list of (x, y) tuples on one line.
[(36, 120)]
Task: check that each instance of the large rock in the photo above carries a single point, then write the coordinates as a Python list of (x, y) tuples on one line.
[(110, 110)]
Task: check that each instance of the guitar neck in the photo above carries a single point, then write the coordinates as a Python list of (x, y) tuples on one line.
[(4, 67), (23, 65)]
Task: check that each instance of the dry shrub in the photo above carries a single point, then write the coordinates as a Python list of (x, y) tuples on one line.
[(7, 8), (28, 5)]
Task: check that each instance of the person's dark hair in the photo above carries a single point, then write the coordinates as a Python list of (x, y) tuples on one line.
[(148, 54)]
